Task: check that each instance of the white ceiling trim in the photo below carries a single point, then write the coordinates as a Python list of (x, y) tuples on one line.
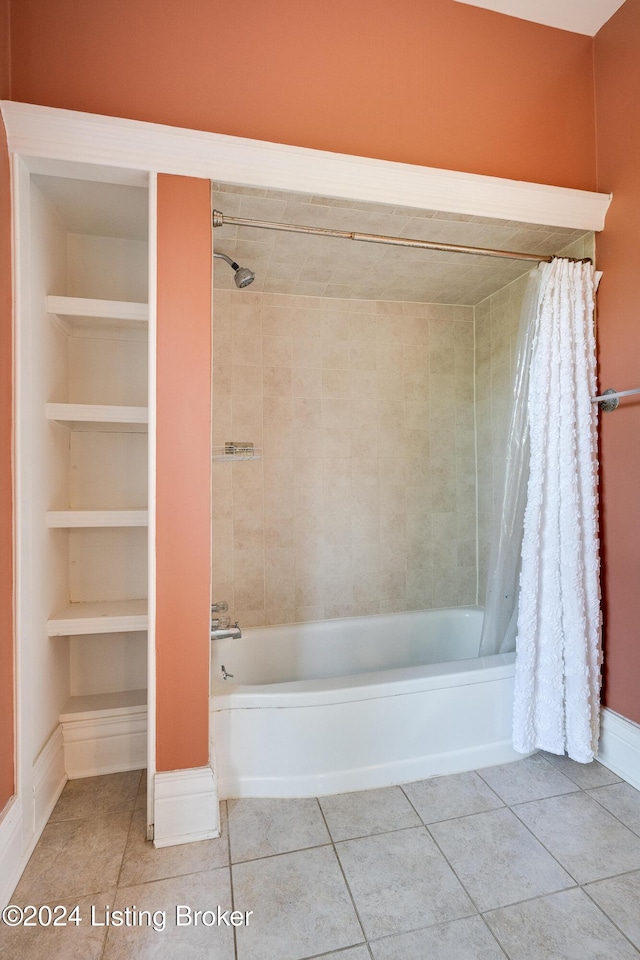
[(85, 138), (577, 16)]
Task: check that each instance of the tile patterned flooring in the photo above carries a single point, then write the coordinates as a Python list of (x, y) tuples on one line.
[(533, 860)]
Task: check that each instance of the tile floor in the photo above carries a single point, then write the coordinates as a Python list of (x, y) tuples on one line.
[(534, 860)]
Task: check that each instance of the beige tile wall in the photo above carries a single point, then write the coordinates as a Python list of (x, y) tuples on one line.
[(365, 499)]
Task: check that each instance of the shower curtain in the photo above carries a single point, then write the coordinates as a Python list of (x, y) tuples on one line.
[(553, 454), (499, 625)]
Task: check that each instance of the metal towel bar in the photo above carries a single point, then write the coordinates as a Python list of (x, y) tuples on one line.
[(610, 399)]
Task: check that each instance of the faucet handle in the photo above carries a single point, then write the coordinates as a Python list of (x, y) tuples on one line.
[(221, 607)]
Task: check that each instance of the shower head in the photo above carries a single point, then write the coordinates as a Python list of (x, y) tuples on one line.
[(243, 276)]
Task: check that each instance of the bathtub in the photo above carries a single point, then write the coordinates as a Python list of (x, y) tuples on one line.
[(340, 705)]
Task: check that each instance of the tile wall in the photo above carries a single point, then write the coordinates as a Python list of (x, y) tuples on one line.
[(365, 499)]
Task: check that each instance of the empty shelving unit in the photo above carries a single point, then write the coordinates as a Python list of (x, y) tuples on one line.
[(82, 468)]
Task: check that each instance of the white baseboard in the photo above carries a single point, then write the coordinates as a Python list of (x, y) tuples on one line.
[(12, 861), (186, 807), (113, 743), (49, 778), (620, 746), (24, 819)]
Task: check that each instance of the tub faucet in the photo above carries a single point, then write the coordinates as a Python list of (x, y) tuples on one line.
[(222, 629)]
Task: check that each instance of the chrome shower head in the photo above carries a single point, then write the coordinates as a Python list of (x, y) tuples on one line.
[(243, 276)]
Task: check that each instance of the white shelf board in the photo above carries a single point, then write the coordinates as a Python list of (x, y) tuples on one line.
[(85, 315), (91, 416), (97, 518), (104, 705), (113, 616)]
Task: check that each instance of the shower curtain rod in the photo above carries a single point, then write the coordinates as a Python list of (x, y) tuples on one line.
[(220, 219)]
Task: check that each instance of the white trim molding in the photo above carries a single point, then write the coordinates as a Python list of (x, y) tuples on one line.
[(49, 778), (186, 806), (620, 746), (12, 859), (21, 824), (83, 138), (108, 741)]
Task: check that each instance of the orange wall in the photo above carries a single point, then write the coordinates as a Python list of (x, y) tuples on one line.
[(422, 81), (183, 511), (617, 73), (6, 528)]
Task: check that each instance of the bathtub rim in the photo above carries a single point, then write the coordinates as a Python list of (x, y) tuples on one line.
[(364, 686)]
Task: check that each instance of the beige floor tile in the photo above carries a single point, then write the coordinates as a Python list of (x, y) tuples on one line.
[(619, 897), (587, 840), (443, 798), (80, 941), (75, 858), (353, 953), (623, 801), (497, 859), (467, 939), (586, 775), (262, 828), (143, 862), (194, 941), (141, 797), (566, 925), (301, 905), (367, 812), (532, 778), (91, 796), (400, 881)]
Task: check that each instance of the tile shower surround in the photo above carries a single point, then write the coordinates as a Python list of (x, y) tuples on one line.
[(365, 499)]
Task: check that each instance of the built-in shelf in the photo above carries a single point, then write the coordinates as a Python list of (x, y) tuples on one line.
[(89, 416), (97, 518), (85, 316), (95, 705), (113, 616)]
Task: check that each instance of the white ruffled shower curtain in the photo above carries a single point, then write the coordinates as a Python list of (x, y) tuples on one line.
[(553, 442)]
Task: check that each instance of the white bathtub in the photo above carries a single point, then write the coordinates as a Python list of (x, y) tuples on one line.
[(339, 705)]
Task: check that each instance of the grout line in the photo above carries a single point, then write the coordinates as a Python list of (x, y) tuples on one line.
[(610, 918), (446, 859), (344, 876), (494, 935), (283, 853), (614, 815), (538, 840), (235, 932), (124, 851)]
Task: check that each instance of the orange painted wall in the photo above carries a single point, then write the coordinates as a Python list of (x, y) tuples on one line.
[(6, 523), (183, 511), (421, 81), (617, 74)]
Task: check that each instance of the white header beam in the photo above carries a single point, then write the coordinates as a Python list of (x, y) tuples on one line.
[(110, 142)]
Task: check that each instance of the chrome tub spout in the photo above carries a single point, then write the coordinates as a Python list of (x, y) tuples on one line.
[(226, 631)]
